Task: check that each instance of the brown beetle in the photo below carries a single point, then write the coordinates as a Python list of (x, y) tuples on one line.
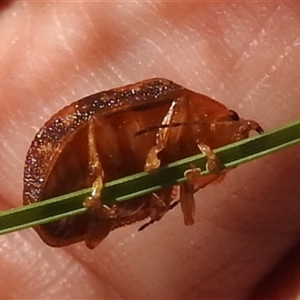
[(120, 132)]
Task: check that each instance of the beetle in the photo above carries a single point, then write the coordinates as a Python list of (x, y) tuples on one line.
[(120, 132)]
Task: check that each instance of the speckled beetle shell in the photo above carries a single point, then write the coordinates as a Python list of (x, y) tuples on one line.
[(96, 138)]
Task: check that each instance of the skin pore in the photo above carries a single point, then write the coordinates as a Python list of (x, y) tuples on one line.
[(245, 55)]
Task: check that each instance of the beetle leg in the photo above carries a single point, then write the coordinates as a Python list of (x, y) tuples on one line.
[(159, 206), (157, 209), (187, 202), (187, 189), (186, 197), (101, 216), (212, 164), (152, 161)]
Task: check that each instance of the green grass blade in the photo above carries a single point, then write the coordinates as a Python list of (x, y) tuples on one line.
[(143, 183)]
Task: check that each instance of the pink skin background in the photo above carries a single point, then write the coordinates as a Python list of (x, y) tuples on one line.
[(246, 55)]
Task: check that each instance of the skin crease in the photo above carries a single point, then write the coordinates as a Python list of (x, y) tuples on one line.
[(245, 55)]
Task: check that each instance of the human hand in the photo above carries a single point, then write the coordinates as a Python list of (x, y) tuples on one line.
[(244, 55)]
